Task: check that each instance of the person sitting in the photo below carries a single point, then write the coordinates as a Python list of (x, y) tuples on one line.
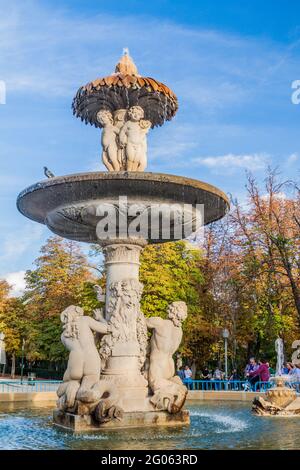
[(262, 374), (252, 366)]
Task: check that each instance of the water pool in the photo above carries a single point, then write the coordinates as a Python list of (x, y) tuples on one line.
[(214, 425)]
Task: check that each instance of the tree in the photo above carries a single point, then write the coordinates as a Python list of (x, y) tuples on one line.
[(12, 322), (62, 277), (172, 271), (254, 258)]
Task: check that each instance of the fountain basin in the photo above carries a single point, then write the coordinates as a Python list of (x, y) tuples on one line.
[(214, 425), (68, 204)]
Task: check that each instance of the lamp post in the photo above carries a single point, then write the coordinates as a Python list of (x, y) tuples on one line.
[(22, 361), (225, 334)]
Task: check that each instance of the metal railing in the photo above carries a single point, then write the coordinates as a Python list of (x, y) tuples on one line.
[(235, 385), (28, 386), (216, 385), (33, 386), (264, 386)]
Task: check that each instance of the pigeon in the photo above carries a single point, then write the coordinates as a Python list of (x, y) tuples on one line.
[(48, 173)]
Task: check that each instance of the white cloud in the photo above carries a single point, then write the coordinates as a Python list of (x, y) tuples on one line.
[(294, 157), (17, 282), (280, 195), (231, 162), (53, 51)]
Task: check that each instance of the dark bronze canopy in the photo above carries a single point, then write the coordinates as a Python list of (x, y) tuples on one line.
[(123, 89)]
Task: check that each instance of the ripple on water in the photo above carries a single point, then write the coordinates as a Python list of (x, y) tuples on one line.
[(17, 432), (213, 426)]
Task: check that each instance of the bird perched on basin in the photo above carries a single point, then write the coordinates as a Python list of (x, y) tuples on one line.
[(48, 173)]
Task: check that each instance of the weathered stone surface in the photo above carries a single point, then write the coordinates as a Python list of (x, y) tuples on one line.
[(68, 204), (123, 140), (278, 401), (169, 393), (81, 379), (129, 382), (79, 423), (123, 89)]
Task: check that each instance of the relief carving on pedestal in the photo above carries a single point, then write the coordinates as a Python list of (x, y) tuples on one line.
[(125, 319)]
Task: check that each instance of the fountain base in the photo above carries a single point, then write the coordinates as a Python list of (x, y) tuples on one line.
[(280, 401), (83, 423)]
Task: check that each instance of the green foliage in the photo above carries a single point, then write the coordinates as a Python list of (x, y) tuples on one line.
[(169, 272), (12, 323), (62, 277)]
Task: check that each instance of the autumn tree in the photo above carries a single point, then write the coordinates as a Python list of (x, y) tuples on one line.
[(62, 277), (12, 323), (253, 261)]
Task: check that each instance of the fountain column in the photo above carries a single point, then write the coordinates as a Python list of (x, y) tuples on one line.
[(127, 349), (122, 261)]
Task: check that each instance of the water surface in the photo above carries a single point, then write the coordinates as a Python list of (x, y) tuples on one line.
[(214, 425)]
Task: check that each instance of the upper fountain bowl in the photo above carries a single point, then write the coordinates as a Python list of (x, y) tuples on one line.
[(123, 89), (75, 206)]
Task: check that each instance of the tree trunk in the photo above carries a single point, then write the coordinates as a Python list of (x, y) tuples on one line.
[(13, 366)]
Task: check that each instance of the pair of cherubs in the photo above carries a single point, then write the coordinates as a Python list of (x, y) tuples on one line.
[(124, 142)]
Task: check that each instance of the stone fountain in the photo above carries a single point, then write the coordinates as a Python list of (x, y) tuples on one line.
[(121, 371), (280, 400)]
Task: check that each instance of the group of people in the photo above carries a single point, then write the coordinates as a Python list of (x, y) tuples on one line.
[(254, 372), (186, 375), (257, 372), (293, 370)]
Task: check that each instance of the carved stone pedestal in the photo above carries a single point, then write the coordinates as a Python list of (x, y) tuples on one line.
[(136, 385), (77, 423)]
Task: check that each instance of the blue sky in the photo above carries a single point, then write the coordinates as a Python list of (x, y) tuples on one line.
[(231, 64)]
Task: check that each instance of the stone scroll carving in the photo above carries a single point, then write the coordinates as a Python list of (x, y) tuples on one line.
[(168, 391), (124, 141)]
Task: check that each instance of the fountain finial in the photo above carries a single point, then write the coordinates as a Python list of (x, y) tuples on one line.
[(126, 66)]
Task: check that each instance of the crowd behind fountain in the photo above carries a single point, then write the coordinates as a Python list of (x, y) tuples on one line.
[(257, 375)]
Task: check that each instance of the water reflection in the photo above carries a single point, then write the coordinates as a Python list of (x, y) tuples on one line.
[(213, 426)]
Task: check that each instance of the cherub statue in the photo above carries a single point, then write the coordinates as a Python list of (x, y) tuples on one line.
[(109, 140), (119, 120), (169, 392), (132, 138), (145, 126), (82, 376)]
